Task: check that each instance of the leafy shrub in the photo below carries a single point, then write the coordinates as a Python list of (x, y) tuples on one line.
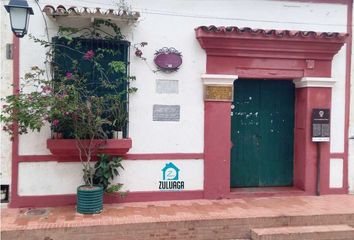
[(106, 169)]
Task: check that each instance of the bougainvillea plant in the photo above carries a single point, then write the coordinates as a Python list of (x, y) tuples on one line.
[(29, 108), (81, 98)]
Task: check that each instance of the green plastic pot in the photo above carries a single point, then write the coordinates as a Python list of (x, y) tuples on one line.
[(89, 199)]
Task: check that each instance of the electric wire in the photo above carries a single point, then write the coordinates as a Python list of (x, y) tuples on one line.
[(191, 15)]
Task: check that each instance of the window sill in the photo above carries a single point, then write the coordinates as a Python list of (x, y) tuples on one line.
[(67, 147)]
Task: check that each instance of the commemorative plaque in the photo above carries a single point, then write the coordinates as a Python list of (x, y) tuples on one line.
[(168, 59), (218, 93), (169, 113), (320, 125)]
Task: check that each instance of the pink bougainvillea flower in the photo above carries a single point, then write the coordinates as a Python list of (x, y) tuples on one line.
[(46, 88), (138, 53), (89, 55), (55, 122), (69, 75)]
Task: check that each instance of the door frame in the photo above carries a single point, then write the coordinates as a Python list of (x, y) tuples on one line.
[(241, 52), (217, 130)]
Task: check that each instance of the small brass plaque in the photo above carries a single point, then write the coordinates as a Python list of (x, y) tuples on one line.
[(218, 93)]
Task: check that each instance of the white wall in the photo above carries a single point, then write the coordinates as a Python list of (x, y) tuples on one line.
[(171, 24), (351, 127), (351, 149), (139, 175), (5, 89), (338, 102), (336, 173)]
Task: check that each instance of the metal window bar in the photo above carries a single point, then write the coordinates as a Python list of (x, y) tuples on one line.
[(93, 44)]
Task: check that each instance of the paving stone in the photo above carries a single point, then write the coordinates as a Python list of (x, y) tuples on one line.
[(227, 219), (323, 232)]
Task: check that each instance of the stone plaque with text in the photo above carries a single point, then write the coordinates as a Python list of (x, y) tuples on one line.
[(166, 113), (218, 93)]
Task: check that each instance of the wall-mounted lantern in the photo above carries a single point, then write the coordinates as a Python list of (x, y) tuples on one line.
[(19, 16)]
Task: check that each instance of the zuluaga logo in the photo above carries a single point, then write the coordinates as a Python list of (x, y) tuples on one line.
[(170, 178)]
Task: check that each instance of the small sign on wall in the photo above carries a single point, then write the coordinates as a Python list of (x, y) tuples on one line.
[(169, 113), (171, 180), (320, 125), (218, 93), (168, 59)]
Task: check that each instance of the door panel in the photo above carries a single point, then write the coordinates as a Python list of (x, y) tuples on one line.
[(262, 133), (245, 117)]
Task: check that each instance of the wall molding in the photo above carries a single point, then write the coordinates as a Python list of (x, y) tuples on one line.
[(275, 54), (314, 82), (128, 157), (218, 79)]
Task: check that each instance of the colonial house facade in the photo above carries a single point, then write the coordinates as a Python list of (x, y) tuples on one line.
[(236, 116)]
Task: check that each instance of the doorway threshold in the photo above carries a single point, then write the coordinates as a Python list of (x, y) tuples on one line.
[(266, 192)]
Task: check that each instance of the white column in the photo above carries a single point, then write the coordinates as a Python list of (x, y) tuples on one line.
[(218, 79), (218, 87), (314, 82)]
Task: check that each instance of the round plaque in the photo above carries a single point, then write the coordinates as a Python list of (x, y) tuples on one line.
[(168, 59)]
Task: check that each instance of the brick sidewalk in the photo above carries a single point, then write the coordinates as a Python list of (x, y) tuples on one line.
[(183, 211), (124, 213)]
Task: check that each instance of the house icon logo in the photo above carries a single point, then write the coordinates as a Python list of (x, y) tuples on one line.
[(170, 178), (170, 172)]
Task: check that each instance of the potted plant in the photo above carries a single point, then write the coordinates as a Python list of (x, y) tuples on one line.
[(89, 135), (106, 169), (89, 199), (61, 122), (77, 102), (89, 86), (119, 117)]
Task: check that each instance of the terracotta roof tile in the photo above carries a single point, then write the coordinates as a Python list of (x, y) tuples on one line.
[(272, 32), (74, 11)]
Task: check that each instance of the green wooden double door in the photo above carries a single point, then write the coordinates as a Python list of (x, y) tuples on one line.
[(262, 132)]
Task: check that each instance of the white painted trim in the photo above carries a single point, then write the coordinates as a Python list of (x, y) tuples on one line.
[(314, 82), (320, 139), (218, 79), (336, 173)]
